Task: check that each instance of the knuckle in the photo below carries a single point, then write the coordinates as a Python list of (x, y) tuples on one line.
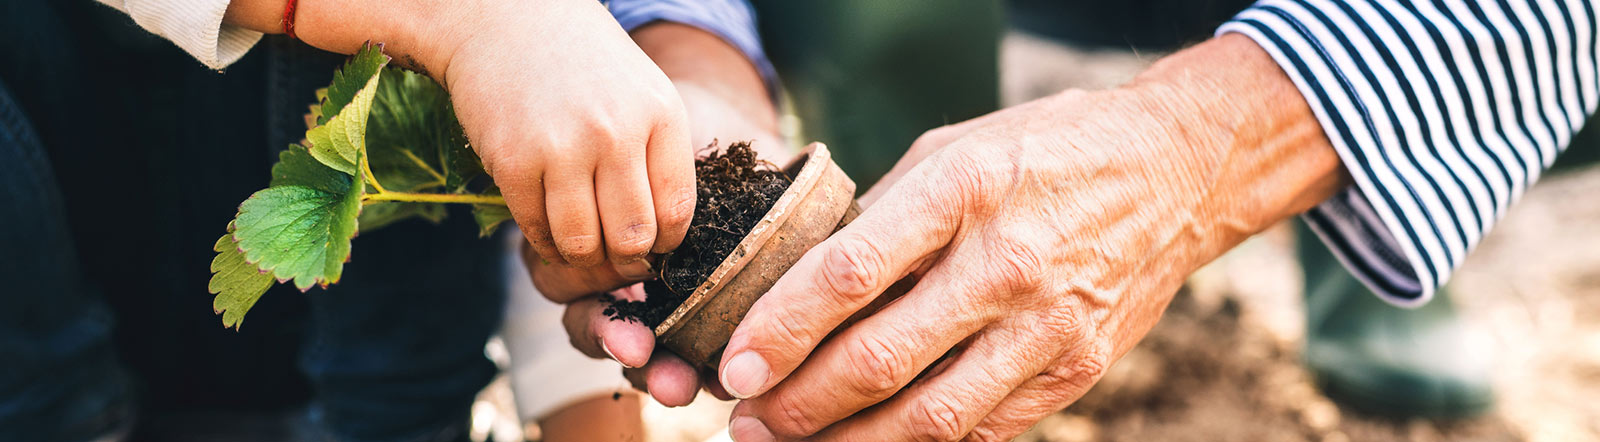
[(1091, 366), (972, 167), (787, 333), (581, 250), (540, 244), (985, 434), (1076, 372), (970, 179), (668, 106), (791, 420), (876, 367), (936, 419), (679, 210), (1018, 264), (1068, 324), (851, 269), (773, 335), (598, 126), (510, 163), (632, 241)]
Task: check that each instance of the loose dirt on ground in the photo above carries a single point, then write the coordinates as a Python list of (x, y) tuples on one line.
[(1223, 364)]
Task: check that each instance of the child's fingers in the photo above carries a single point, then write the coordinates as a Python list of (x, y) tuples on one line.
[(627, 213), (524, 193), (574, 221), (563, 283), (670, 162)]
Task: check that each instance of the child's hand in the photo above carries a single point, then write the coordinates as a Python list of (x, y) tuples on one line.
[(586, 138), (726, 99)]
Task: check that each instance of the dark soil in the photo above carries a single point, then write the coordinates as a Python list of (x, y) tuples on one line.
[(734, 190)]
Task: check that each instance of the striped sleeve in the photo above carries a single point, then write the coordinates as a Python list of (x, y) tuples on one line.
[(732, 20), (1444, 112)]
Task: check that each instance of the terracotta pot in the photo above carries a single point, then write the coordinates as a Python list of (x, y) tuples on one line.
[(819, 202)]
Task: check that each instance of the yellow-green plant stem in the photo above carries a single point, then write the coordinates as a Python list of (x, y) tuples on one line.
[(366, 171), (424, 165), (448, 198)]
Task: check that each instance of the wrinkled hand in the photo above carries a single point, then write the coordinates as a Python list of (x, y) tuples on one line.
[(1038, 264), (726, 101), (1044, 240)]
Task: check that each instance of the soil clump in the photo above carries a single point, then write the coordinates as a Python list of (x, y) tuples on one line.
[(733, 190)]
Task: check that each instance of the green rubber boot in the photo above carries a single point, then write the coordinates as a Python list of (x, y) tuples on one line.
[(1378, 358)]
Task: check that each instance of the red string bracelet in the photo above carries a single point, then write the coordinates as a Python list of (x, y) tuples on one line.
[(288, 19)]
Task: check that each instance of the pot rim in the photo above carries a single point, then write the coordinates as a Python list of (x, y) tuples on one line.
[(814, 160)]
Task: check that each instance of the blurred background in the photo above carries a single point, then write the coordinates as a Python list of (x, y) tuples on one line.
[(865, 76)]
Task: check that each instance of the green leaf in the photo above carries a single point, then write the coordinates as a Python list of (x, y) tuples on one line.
[(462, 164), (411, 124), (340, 137), (374, 125), (375, 216), (296, 167), (300, 228), (237, 283), (350, 80), (314, 113), (489, 216)]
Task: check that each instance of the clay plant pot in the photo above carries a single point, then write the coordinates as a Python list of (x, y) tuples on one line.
[(820, 200)]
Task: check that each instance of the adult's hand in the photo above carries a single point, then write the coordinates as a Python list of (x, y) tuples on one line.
[(1045, 240), (586, 138), (725, 99)]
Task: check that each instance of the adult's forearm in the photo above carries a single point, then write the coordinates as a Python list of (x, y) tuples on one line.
[(722, 90), (1242, 134), (689, 55)]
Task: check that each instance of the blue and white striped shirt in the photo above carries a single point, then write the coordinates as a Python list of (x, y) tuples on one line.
[(1444, 111)]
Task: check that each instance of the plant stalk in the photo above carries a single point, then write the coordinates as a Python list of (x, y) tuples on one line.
[(448, 198)]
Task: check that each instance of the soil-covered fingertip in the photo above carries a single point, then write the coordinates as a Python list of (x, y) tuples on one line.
[(734, 190)]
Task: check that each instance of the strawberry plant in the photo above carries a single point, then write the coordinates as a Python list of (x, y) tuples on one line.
[(383, 146)]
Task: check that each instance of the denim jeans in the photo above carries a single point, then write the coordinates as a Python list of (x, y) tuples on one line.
[(121, 162)]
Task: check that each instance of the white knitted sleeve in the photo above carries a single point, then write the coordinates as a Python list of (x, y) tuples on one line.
[(194, 25)]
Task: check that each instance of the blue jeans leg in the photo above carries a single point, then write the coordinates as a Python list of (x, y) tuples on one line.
[(59, 377), (396, 350)]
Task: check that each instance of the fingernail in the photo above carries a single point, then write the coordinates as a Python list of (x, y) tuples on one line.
[(607, 349), (745, 374), (749, 429), (638, 269)]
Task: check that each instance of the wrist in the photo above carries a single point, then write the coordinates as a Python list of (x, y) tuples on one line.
[(1241, 135), (419, 34), (694, 58)]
